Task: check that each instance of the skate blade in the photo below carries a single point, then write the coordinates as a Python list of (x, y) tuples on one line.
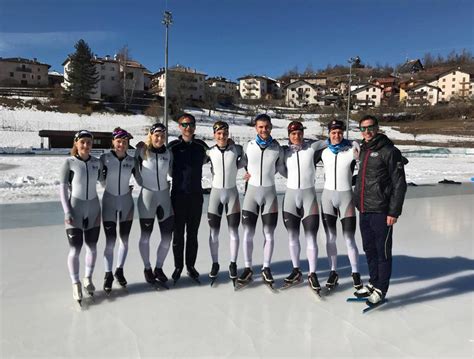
[(290, 285), (213, 280), (371, 307), (161, 285), (317, 293), (271, 287), (242, 285), (357, 299)]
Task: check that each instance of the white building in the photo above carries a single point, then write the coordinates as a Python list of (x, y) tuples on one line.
[(313, 80), (363, 96), (113, 74), (453, 84), (259, 87), (183, 82), (18, 71), (303, 94), (222, 86), (423, 94)]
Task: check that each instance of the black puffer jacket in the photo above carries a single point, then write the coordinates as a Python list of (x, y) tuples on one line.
[(381, 184)]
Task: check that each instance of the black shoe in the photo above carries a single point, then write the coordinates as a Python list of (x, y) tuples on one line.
[(313, 281), (332, 280), (160, 275), (233, 270), (295, 276), (267, 275), (176, 274), (214, 270), (108, 280), (357, 282), (193, 273), (120, 278), (246, 275), (149, 276)]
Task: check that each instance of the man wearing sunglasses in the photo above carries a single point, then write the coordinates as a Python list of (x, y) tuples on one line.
[(189, 154), (379, 195)]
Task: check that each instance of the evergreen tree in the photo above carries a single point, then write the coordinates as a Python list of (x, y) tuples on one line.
[(82, 74)]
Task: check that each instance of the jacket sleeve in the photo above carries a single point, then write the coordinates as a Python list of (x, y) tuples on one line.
[(64, 182), (102, 171), (396, 171)]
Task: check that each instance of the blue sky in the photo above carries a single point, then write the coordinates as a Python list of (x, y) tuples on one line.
[(233, 38)]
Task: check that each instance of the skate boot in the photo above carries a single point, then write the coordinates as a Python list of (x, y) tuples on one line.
[(267, 275), (364, 291), (149, 276), (375, 298), (313, 282), (233, 270), (108, 280), (77, 292), (357, 282), (160, 275), (332, 280), (246, 276), (214, 270), (176, 274), (120, 278), (89, 286), (294, 277), (193, 274)]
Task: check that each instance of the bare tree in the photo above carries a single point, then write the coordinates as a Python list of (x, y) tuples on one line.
[(123, 56)]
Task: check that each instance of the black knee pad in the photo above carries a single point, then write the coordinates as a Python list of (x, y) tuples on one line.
[(146, 224), (160, 213), (110, 229), (167, 226), (291, 221), (125, 228), (329, 222), (74, 236), (349, 224), (270, 219), (249, 218), (214, 220), (91, 236), (233, 220), (311, 223)]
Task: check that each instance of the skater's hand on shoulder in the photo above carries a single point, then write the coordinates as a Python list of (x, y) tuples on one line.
[(391, 220), (140, 145)]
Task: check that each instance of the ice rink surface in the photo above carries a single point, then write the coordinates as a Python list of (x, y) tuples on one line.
[(430, 312)]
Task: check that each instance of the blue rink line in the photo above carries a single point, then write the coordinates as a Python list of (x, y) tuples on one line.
[(37, 214)]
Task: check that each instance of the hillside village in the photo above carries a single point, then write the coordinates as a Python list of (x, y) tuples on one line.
[(124, 83)]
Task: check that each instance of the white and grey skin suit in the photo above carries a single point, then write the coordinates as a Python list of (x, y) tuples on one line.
[(261, 198), (225, 162), (300, 203), (336, 200), (154, 200), (117, 202), (78, 192)]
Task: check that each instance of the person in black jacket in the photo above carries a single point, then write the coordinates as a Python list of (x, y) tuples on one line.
[(189, 154), (379, 194)]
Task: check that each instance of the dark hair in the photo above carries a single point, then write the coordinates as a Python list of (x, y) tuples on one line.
[(263, 117), (369, 117), (186, 115)]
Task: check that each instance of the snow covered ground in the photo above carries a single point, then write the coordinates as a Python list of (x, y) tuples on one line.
[(430, 312), (35, 178)]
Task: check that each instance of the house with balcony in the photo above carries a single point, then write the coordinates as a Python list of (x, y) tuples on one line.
[(453, 83), (423, 95), (314, 80), (304, 94), (183, 82), (21, 72), (253, 87), (222, 86), (366, 95)]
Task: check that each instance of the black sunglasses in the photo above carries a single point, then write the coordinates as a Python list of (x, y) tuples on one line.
[(186, 124), (370, 128)]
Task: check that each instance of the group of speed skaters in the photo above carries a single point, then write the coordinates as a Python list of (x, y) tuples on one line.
[(378, 195)]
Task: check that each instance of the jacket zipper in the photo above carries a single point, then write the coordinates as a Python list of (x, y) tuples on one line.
[(364, 169), (223, 170), (87, 182), (119, 176), (298, 161), (157, 174), (335, 173), (261, 166)]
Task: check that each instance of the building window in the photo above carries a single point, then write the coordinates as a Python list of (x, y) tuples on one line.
[(452, 92), (443, 86), (444, 80), (454, 79), (24, 76), (453, 86), (113, 78), (39, 77), (129, 75), (430, 96), (374, 96), (39, 69), (454, 73), (12, 74), (373, 89)]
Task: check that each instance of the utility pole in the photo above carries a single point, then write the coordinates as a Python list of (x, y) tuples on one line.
[(167, 21), (351, 61)]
